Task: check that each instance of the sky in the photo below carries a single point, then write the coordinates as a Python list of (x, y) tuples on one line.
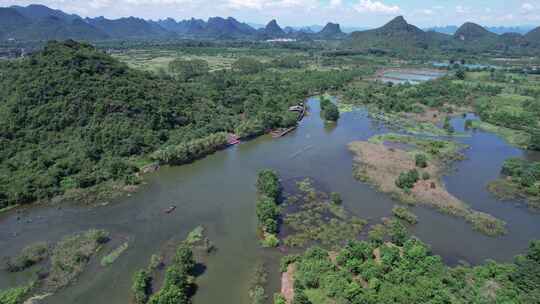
[(352, 13)]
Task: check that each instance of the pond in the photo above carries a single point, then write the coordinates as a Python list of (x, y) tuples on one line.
[(412, 76), (218, 192)]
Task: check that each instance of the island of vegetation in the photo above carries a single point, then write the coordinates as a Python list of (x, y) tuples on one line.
[(59, 264), (311, 215), (520, 179), (269, 189), (177, 284), (410, 168)]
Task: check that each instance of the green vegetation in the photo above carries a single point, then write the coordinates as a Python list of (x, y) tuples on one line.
[(521, 180), (405, 214), (268, 184), (185, 70), (177, 287), (28, 257), (14, 295), (141, 287), (514, 112), (248, 65), (367, 272), (407, 180), (312, 216), (70, 256), (114, 255), (421, 160), (269, 189), (256, 292), (63, 262), (114, 118), (329, 110), (377, 164)]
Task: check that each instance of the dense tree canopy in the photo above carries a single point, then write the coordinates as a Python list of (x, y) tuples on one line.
[(72, 117), (366, 272)]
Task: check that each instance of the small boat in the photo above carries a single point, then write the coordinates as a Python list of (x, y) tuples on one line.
[(170, 209), (233, 139)]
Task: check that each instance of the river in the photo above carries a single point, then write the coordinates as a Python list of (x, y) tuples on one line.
[(218, 192)]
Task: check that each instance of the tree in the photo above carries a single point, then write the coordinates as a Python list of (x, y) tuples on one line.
[(535, 140), (141, 287), (460, 74), (398, 233), (331, 113)]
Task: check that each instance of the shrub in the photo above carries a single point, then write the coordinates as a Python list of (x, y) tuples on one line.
[(13, 295), (184, 258), (331, 113), (279, 299), (268, 184), (421, 160), (270, 240), (141, 287), (267, 214), (407, 180), (335, 198), (426, 176)]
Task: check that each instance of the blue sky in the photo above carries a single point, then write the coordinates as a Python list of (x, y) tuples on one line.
[(359, 13)]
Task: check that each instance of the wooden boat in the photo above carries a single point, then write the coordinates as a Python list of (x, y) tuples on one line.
[(233, 139), (170, 209)]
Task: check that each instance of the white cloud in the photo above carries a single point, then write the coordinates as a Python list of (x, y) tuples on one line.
[(335, 3), (527, 7), (461, 9), (368, 6), (265, 4)]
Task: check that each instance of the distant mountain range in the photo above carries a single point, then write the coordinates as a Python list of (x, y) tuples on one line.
[(40, 23), (451, 29), (400, 35)]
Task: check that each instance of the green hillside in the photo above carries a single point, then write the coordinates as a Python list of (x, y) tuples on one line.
[(72, 117)]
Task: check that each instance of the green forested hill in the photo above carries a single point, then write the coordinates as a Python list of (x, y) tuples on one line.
[(72, 117)]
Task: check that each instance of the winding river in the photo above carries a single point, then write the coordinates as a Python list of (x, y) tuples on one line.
[(219, 193)]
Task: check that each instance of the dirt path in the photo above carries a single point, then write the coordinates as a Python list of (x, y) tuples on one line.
[(287, 283)]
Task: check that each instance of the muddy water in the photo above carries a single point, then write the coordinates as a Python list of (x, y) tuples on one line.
[(218, 192)]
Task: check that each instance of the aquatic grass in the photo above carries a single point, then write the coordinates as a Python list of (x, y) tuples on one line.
[(70, 256), (195, 236), (8, 208), (28, 257), (515, 138), (114, 255), (405, 214), (316, 219)]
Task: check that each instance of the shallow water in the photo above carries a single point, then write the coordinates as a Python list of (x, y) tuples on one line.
[(219, 193)]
